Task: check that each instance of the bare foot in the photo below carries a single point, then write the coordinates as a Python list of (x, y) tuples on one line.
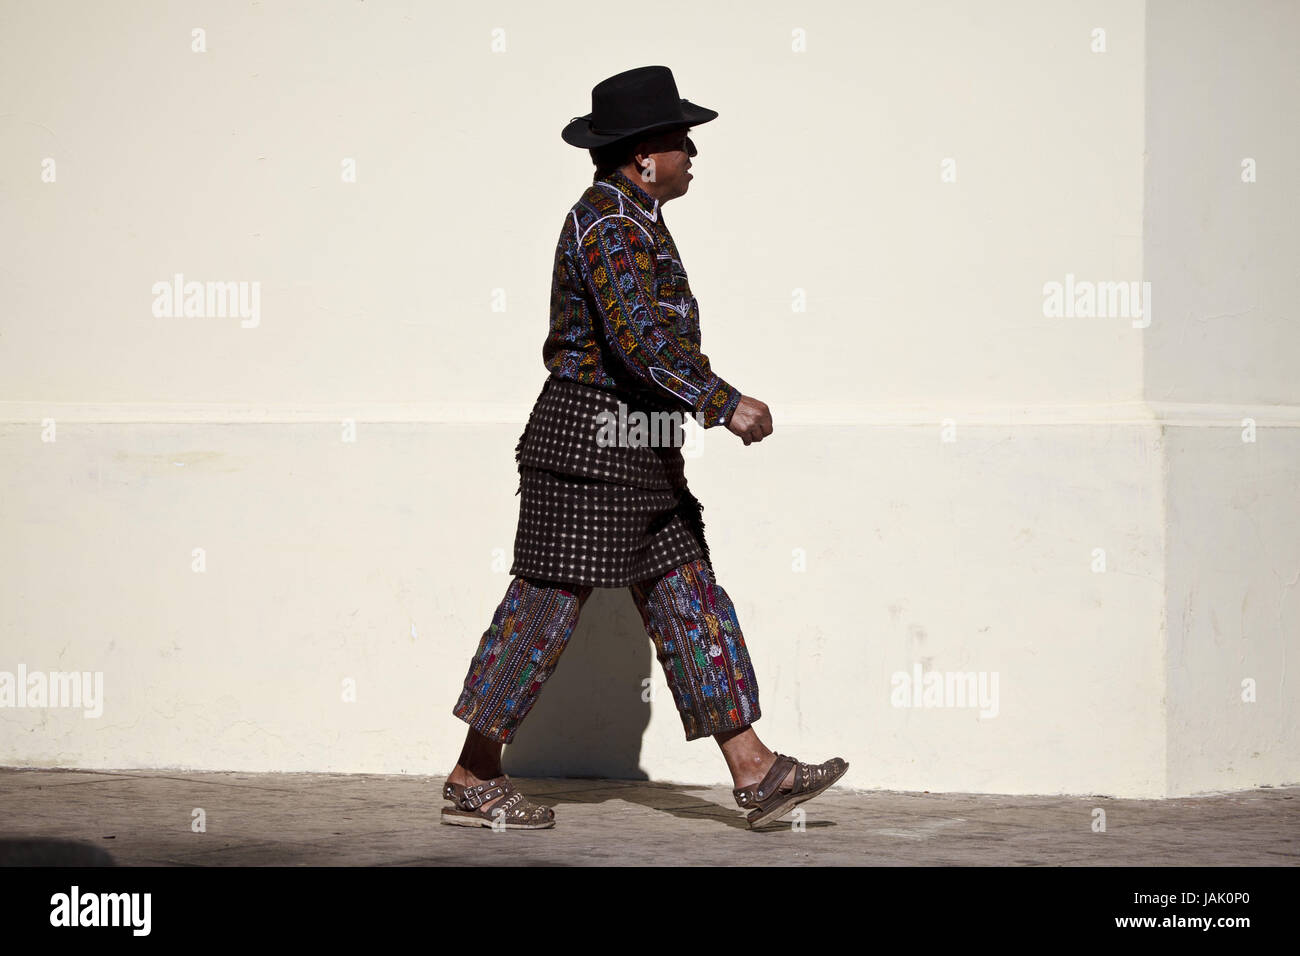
[(463, 778), (480, 761), (748, 758), (746, 781)]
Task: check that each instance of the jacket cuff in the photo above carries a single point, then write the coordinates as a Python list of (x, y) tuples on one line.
[(717, 402)]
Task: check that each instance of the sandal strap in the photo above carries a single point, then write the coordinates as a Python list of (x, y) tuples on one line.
[(766, 788), (518, 807), (806, 777), (515, 806), (813, 776), (471, 798)]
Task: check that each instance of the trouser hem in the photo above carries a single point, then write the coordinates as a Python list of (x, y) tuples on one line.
[(722, 728), (501, 731)]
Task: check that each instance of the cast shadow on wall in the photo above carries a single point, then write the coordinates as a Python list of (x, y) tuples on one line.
[(590, 715)]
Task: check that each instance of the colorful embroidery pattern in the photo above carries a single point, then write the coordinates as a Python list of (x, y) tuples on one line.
[(699, 643), (515, 656), (689, 618), (622, 313)]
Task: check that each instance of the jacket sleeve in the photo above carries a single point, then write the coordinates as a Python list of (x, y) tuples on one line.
[(618, 268)]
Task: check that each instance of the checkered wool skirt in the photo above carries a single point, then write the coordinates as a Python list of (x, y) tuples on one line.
[(601, 516)]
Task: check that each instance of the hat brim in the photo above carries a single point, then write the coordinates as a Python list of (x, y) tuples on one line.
[(579, 133)]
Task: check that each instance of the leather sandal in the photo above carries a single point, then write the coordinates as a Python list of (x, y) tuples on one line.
[(520, 813), (770, 802)]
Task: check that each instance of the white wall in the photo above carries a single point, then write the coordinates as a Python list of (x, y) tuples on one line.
[(382, 560), (1223, 84)]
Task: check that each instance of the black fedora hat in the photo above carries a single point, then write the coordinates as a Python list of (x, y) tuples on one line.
[(644, 100)]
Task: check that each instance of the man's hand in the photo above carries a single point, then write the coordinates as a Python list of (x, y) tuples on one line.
[(751, 420)]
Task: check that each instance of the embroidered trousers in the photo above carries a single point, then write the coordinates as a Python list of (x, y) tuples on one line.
[(690, 620)]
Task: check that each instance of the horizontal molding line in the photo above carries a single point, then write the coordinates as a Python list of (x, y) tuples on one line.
[(798, 414)]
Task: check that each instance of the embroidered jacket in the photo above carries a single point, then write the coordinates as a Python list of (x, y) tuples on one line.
[(622, 313)]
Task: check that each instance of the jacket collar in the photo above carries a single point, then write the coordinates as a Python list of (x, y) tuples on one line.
[(618, 181)]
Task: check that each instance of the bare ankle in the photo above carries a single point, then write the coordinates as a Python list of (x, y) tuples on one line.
[(752, 767), (467, 777)]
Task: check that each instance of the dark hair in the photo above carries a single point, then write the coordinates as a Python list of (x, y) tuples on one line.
[(612, 156)]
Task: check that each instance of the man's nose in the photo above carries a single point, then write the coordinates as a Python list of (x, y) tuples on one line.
[(690, 147)]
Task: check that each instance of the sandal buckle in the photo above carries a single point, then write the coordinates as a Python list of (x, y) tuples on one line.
[(482, 796)]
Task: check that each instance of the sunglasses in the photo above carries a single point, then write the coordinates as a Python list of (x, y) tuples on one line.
[(678, 141)]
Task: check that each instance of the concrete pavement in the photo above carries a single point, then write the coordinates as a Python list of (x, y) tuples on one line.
[(254, 819)]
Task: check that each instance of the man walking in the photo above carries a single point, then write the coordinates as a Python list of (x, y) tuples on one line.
[(624, 345)]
